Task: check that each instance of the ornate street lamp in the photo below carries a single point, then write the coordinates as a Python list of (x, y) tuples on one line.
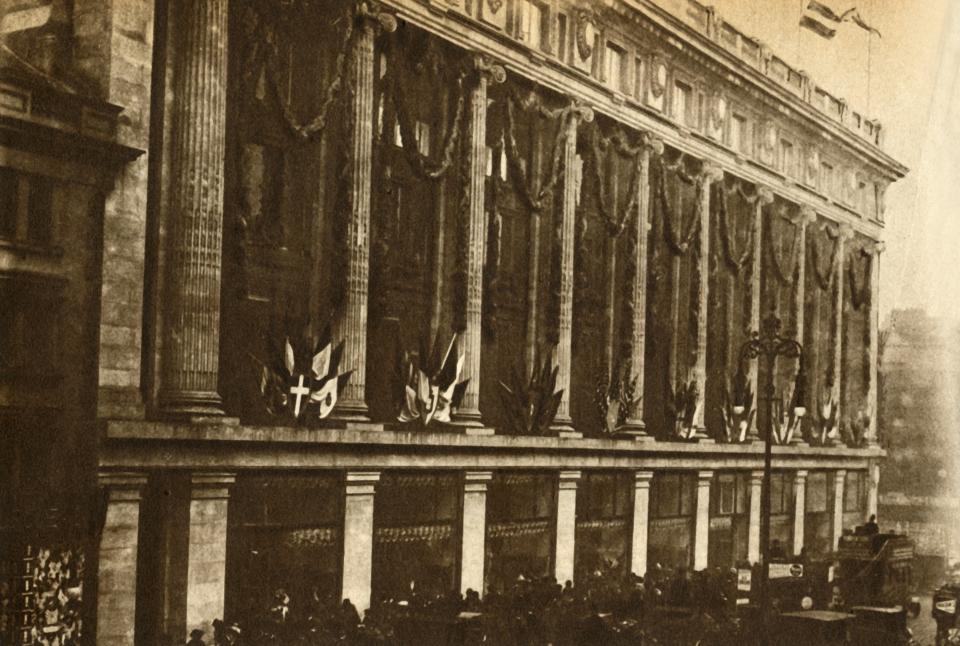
[(768, 344)]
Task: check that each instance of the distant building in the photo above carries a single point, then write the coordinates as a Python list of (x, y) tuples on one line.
[(920, 429), (620, 191)]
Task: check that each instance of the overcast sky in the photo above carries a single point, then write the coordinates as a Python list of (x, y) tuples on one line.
[(913, 90)]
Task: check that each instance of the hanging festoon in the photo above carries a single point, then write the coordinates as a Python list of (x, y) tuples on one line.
[(734, 259), (432, 384), (786, 272), (824, 277), (302, 382), (737, 411), (859, 287)]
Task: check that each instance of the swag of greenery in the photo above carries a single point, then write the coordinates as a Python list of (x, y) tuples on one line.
[(531, 405), (617, 399)]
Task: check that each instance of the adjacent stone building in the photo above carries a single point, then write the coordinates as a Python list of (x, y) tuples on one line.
[(591, 205)]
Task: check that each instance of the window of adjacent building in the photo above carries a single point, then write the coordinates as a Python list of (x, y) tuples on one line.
[(562, 36), (614, 67), (683, 105), (26, 208), (30, 327), (531, 23), (815, 497)]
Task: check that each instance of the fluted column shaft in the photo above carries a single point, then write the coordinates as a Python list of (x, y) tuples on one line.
[(708, 176), (191, 339), (807, 217), (469, 411), (844, 232), (873, 388), (764, 197), (638, 326), (350, 322), (567, 233), (641, 522)]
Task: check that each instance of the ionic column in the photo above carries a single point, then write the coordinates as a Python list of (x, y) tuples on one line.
[(117, 562), (566, 525), (474, 534), (469, 411), (764, 198), (191, 326), (641, 522), (807, 217), (873, 388), (358, 537), (836, 526), (753, 531), (844, 233), (701, 541), (635, 425), (708, 175), (799, 508), (350, 321), (207, 551), (563, 421)]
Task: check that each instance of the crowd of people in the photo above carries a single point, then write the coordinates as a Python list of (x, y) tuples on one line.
[(664, 607)]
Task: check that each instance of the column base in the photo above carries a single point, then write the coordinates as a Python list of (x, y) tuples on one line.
[(350, 411), (636, 432), (469, 430), (467, 418), (192, 404), (798, 442), (562, 426)]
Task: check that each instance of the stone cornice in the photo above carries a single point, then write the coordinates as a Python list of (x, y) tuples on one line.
[(144, 445), (563, 79)]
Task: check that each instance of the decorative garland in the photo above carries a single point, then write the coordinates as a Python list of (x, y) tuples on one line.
[(678, 245), (859, 294), (783, 277), (823, 278), (419, 162), (735, 261), (533, 198), (599, 145), (318, 123)]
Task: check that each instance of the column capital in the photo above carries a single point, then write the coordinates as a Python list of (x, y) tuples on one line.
[(376, 18), (488, 68), (844, 231), (756, 477), (569, 479), (711, 172), (800, 476), (704, 477), (764, 195), (361, 483), (807, 215), (476, 481), (123, 485), (642, 479), (580, 112), (878, 247), (211, 486), (652, 143), (839, 475)]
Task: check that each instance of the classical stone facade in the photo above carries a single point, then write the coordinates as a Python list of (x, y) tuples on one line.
[(592, 205)]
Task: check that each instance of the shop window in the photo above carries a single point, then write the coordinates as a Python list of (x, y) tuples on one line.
[(29, 327), (8, 203), (815, 496), (673, 494), (853, 491), (26, 208)]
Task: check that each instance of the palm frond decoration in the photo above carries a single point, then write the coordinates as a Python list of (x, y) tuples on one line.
[(531, 405), (433, 388), (683, 404), (617, 399), (738, 412), (788, 413), (855, 430), (302, 381)]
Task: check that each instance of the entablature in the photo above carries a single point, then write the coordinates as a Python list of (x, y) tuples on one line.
[(660, 76)]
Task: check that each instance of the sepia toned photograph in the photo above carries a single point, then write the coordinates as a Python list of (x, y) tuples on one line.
[(479, 322)]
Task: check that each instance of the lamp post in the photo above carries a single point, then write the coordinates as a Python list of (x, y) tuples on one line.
[(768, 344)]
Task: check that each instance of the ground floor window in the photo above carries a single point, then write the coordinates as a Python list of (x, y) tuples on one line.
[(672, 511), (604, 514), (284, 538), (816, 523), (521, 512), (854, 499), (781, 515), (416, 531), (729, 519)]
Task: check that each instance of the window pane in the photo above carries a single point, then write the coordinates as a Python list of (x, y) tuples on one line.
[(668, 494), (688, 491), (727, 494), (8, 203), (816, 494)]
